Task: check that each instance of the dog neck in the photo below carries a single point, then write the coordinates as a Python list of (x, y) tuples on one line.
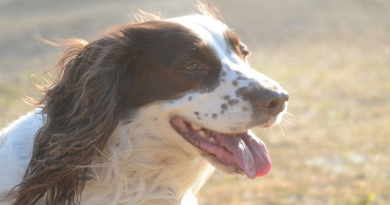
[(140, 165)]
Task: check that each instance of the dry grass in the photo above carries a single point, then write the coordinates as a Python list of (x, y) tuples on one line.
[(332, 56)]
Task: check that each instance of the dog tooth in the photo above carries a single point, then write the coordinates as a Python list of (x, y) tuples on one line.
[(196, 127), (202, 134)]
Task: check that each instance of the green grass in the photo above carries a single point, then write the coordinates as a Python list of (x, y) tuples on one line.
[(12, 96)]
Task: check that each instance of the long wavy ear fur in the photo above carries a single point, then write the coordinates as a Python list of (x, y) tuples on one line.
[(83, 107)]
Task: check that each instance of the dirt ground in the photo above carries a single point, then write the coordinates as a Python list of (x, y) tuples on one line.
[(332, 56)]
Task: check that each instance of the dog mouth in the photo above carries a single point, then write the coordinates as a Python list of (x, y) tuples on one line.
[(241, 152)]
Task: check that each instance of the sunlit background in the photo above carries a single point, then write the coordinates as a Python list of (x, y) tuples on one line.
[(333, 56)]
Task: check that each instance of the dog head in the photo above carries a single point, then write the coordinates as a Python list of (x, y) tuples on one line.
[(188, 77)]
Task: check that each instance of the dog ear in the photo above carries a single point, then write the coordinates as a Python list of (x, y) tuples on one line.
[(82, 107)]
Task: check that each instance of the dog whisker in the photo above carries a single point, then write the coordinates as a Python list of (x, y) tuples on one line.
[(288, 122), (272, 130), (281, 129), (288, 113)]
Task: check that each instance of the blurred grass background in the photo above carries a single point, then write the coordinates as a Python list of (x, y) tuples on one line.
[(332, 56)]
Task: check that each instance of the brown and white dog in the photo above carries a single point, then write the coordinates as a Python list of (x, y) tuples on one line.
[(142, 115)]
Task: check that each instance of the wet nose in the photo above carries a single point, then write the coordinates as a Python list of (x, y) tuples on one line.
[(272, 102)]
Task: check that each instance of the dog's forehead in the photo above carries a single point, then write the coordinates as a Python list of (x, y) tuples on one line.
[(210, 30)]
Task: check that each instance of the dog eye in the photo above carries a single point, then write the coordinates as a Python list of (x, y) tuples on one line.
[(193, 67)]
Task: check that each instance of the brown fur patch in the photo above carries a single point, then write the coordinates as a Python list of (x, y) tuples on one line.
[(234, 42)]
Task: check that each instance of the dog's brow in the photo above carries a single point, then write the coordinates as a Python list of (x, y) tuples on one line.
[(233, 41), (232, 38)]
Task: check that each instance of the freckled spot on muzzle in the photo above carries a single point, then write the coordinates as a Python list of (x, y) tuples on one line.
[(243, 93), (226, 97), (233, 102), (241, 78)]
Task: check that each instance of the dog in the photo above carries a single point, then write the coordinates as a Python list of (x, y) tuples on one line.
[(142, 115)]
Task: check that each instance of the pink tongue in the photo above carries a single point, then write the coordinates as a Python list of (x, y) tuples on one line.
[(249, 152)]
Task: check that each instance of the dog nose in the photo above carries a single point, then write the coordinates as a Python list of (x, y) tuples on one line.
[(272, 102)]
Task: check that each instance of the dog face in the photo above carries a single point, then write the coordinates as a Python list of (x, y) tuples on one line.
[(201, 81), (233, 102)]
